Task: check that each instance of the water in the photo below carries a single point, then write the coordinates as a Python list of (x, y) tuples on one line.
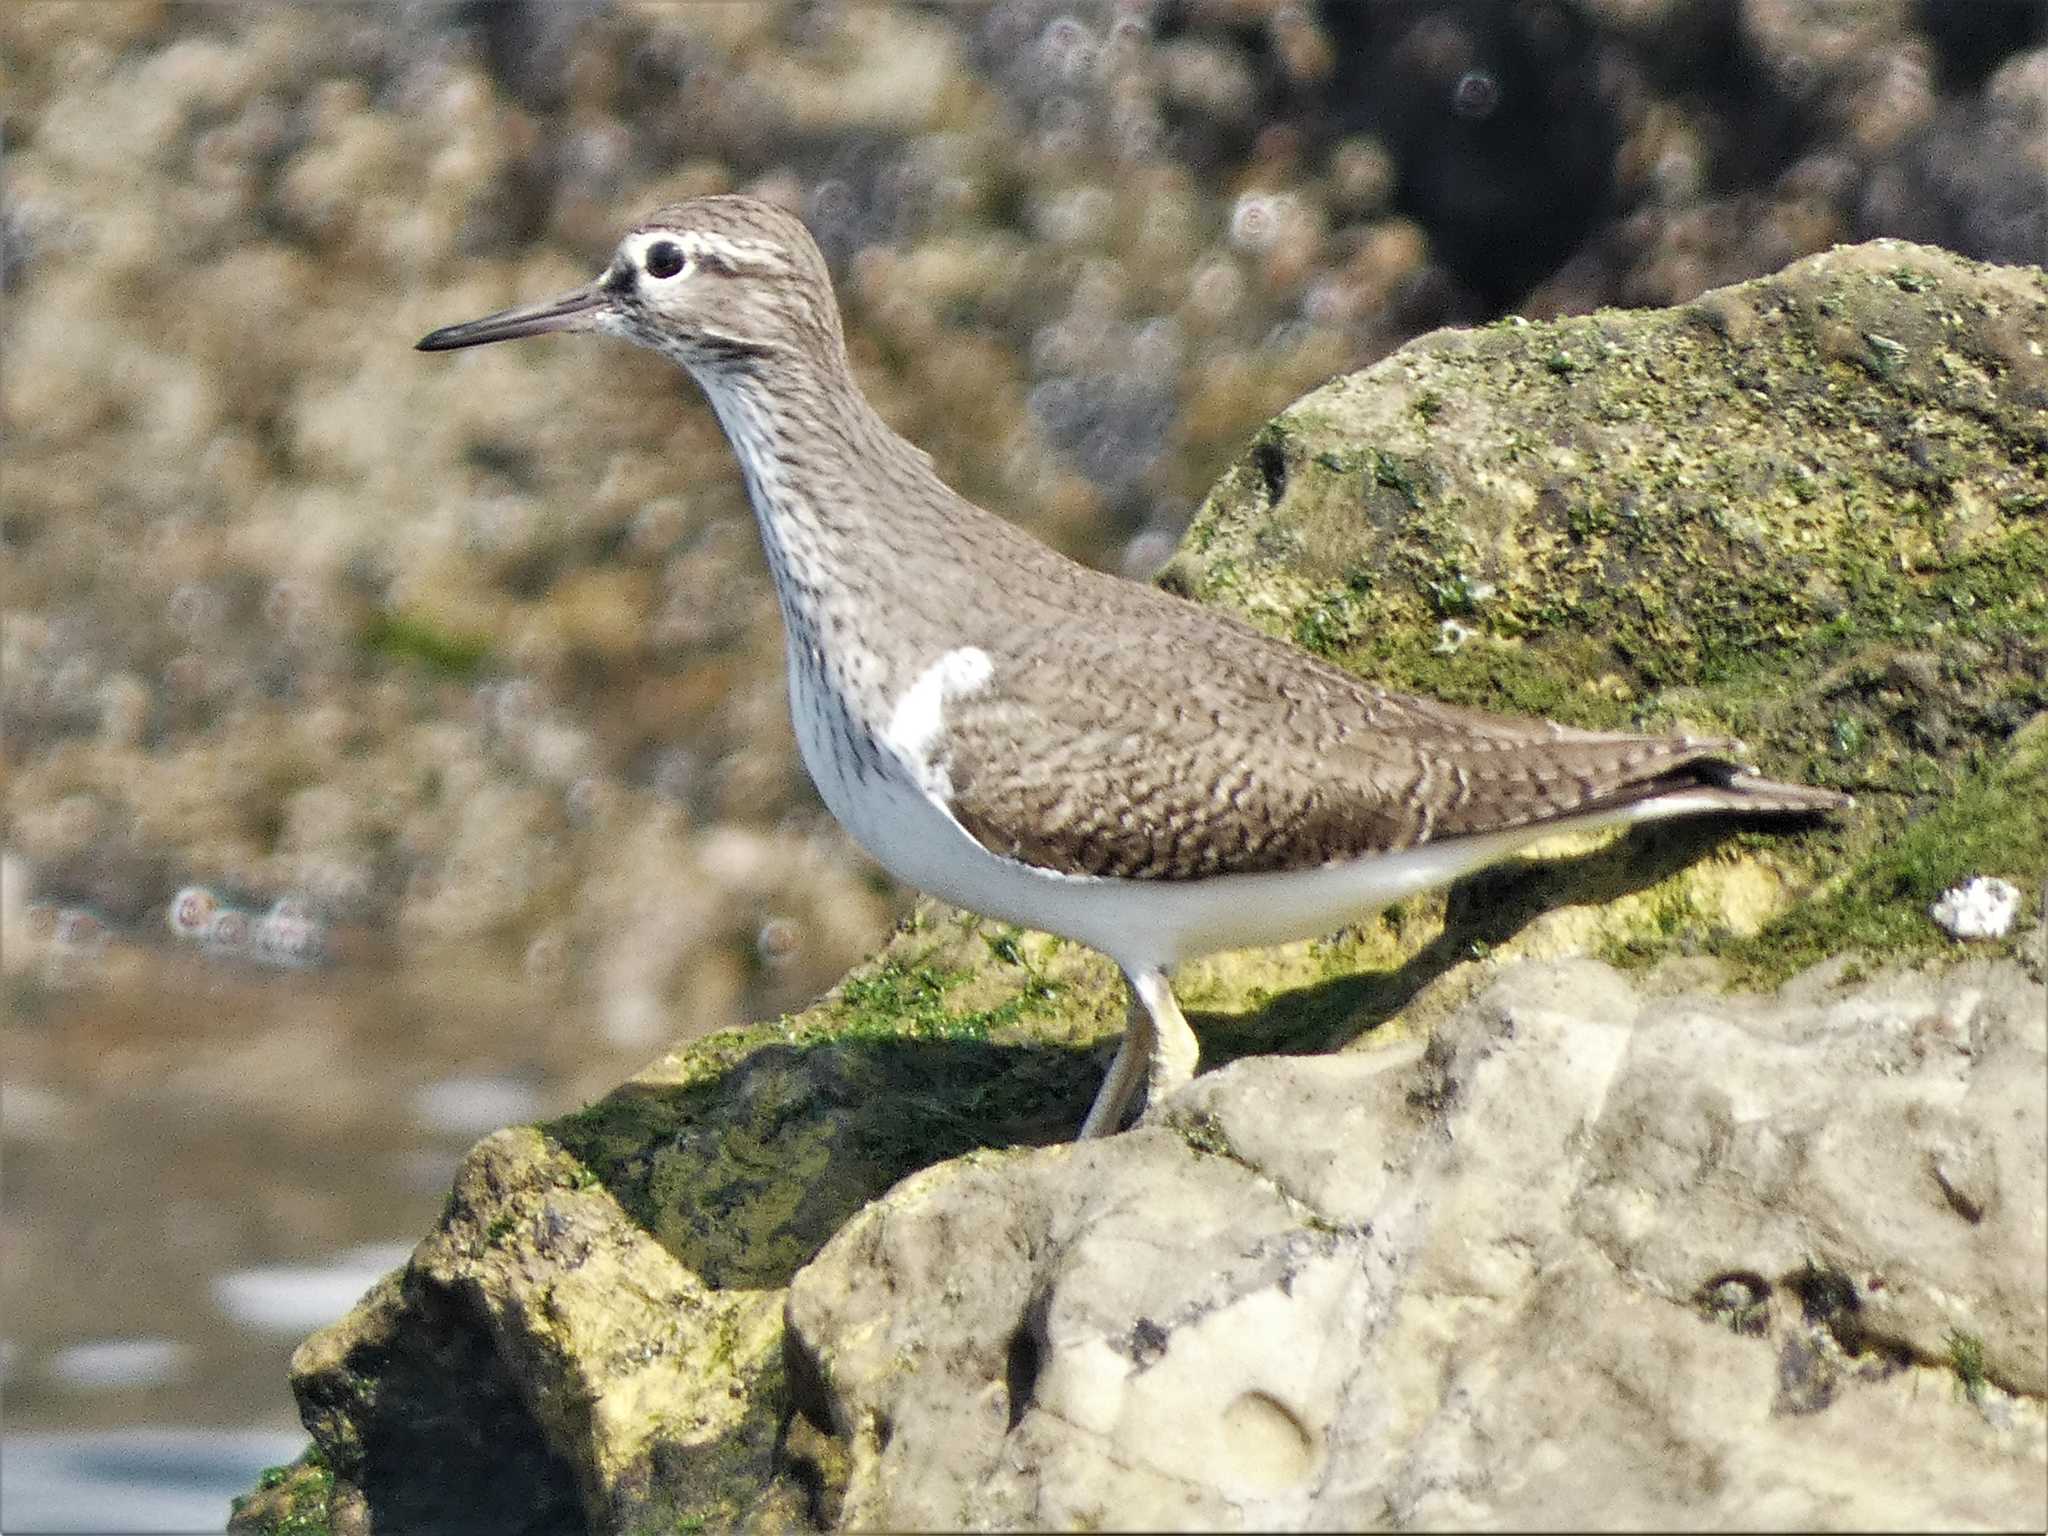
[(203, 1164), (291, 1300), (139, 1479)]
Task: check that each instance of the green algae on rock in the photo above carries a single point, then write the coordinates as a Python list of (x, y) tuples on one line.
[(1810, 511), (593, 1330), (1744, 515), (295, 1500)]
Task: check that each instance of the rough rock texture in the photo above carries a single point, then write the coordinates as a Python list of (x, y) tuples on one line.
[(596, 1322), (1568, 1245), (1810, 511), (1592, 1257), (533, 1342)]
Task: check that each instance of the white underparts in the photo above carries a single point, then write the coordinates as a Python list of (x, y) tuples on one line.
[(916, 731)]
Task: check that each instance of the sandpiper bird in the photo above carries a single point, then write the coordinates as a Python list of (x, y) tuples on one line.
[(1060, 748)]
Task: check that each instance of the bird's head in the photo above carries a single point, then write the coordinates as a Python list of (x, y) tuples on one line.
[(715, 283)]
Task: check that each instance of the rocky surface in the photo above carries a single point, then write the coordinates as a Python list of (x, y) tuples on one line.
[(471, 664), (1601, 1253), (1559, 1242), (1591, 1258)]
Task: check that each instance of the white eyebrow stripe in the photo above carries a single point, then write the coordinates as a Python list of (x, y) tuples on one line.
[(721, 252), (743, 255), (746, 253)]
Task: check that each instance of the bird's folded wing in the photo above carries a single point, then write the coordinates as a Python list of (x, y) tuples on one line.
[(1205, 754)]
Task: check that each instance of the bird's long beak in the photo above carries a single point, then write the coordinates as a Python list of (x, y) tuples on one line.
[(574, 311)]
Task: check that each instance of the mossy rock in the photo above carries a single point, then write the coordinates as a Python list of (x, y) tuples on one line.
[(1811, 511), (294, 1500), (593, 1330)]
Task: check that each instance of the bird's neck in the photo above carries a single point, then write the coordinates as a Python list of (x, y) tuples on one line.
[(844, 503)]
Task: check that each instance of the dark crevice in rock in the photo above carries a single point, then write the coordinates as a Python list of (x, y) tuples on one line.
[(1740, 1298), (809, 1395), (442, 1439), (1826, 1294), (1831, 1307), (1147, 1343), (1959, 1200), (1270, 459), (1024, 1359), (814, 1462)]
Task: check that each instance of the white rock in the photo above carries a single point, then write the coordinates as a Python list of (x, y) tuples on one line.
[(1983, 908)]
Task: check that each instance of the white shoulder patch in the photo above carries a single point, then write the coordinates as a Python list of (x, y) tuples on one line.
[(917, 725)]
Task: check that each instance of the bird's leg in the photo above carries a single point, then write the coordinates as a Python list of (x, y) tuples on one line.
[(1111, 1099), (1157, 1042), (1170, 1066)]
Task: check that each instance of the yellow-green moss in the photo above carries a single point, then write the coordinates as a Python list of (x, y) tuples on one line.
[(292, 1500), (1966, 1359), (1995, 822), (1809, 511), (743, 1153)]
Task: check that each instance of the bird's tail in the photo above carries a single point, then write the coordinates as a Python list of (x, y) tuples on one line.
[(1738, 790)]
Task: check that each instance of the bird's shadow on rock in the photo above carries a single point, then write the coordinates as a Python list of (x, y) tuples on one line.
[(746, 1174), (1482, 911)]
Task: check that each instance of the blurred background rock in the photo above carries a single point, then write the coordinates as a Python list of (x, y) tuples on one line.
[(472, 663)]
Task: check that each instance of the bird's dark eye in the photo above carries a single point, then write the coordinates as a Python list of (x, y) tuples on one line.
[(664, 259)]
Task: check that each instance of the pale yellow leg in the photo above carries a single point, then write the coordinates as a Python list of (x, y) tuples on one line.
[(1107, 1112), (1157, 1043), (1174, 1048)]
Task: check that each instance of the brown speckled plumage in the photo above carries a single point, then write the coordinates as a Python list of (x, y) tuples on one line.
[(1188, 745), (960, 690), (1168, 744), (1129, 733)]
